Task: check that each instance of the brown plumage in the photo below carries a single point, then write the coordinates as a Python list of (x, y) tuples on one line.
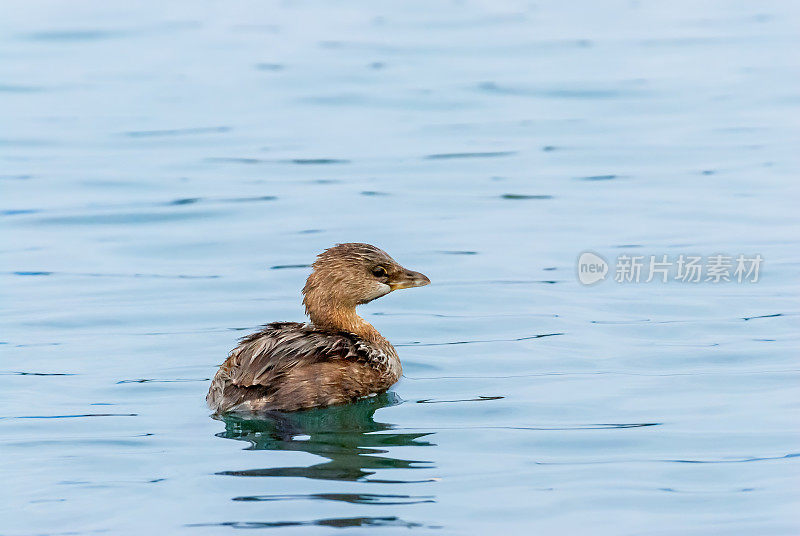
[(336, 358)]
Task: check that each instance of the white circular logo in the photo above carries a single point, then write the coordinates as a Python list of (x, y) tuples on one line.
[(592, 268)]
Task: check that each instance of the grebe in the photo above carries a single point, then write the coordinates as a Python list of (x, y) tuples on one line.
[(336, 358)]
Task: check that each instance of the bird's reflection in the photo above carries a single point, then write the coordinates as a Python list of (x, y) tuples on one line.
[(348, 436)]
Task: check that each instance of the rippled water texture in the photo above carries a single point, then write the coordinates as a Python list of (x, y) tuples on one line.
[(169, 169)]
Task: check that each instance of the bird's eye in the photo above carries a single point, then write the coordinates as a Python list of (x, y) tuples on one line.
[(379, 271)]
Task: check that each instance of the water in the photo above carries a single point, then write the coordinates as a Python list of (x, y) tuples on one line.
[(169, 169)]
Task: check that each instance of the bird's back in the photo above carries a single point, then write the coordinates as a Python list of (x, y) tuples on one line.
[(289, 366)]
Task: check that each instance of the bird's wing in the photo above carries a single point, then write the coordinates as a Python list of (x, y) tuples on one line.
[(265, 356)]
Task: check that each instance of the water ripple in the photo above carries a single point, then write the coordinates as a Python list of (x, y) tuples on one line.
[(525, 196), (176, 380), (682, 461), (296, 161), (339, 522), (95, 274), (353, 498), (763, 316), (195, 200), (481, 341), (74, 35), (606, 372), (176, 132), (598, 178), (78, 416), (289, 266), (20, 373), (479, 399), (450, 156), (122, 218), (579, 427)]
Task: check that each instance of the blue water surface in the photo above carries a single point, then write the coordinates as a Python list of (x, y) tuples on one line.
[(168, 170)]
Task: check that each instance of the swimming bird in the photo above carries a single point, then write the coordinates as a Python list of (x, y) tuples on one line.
[(336, 358)]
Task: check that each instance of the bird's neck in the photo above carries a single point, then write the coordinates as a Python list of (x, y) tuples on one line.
[(345, 319)]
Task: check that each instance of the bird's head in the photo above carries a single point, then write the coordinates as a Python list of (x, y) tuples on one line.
[(351, 274)]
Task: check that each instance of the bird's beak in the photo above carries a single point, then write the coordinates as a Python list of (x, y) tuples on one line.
[(409, 279)]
